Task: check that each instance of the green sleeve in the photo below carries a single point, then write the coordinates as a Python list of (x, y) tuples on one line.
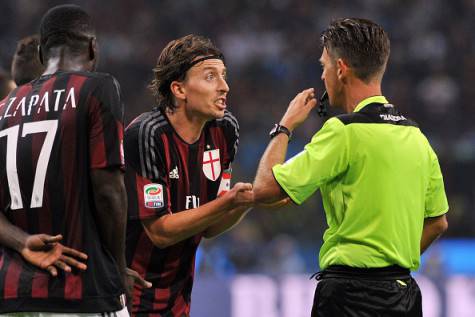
[(436, 200), (324, 158)]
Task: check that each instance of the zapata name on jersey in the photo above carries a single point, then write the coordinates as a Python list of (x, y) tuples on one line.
[(45, 102)]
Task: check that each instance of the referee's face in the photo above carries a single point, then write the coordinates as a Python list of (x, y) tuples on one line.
[(330, 79), (206, 89)]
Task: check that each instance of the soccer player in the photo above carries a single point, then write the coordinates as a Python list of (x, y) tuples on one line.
[(60, 170), (26, 64), (380, 180), (178, 161)]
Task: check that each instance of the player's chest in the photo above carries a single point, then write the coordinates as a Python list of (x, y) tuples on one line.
[(196, 166)]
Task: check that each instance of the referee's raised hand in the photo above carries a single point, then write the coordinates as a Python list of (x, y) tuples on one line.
[(299, 108)]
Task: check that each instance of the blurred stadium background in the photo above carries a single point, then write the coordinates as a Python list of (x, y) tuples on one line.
[(261, 267)]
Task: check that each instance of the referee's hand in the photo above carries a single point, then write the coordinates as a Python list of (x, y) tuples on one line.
[(299, 108)]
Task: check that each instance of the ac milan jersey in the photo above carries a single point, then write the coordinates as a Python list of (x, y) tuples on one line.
[(165, 175), (53, 131)]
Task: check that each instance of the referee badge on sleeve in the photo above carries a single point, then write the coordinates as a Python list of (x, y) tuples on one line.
[(153, 195)]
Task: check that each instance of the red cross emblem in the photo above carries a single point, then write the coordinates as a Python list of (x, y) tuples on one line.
[(211, 164)]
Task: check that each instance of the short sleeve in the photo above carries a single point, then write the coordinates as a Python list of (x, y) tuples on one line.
[(436, 200), (106, 129), (147, 187), (230, 127), (323, 159)]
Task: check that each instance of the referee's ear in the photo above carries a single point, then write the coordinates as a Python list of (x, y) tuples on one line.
[(178, 90), (341, 69)]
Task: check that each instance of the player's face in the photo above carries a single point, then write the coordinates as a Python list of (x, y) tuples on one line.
[(206, 89), (330, 79)]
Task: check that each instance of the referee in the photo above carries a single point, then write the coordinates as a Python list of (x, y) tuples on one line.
[(380, 181)]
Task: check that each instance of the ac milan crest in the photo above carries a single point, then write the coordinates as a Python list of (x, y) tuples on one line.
[(211, 164)]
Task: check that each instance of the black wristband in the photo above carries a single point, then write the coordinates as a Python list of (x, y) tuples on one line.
[(280, 129)]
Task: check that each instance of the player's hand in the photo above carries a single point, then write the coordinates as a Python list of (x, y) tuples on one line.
[(134, 278), (45, 252), (241, 195), (276, 204), (298, 109)]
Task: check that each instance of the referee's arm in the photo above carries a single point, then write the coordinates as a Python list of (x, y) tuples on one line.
[(265, 188), (433, 228)]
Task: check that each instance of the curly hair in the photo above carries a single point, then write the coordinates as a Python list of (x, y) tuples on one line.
[(67, 25), (174, 61)]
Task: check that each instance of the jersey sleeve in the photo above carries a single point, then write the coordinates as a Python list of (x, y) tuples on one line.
[(106, 129), (147, 187), (323, 159), (436, 200), (231, 132), (230, 128)]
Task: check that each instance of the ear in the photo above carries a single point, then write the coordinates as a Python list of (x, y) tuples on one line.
[(178, 90), (342, 69), (92, 48), (40, 55)]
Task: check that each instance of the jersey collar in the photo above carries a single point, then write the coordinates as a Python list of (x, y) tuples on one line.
[(367, 101)]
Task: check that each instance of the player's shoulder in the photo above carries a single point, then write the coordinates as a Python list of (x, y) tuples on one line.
[(93, 75), (105, 79), (95, 79), (148, 124), (228, 123)]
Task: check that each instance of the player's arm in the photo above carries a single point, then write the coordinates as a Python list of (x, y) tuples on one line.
[(172, 228), (266, 189), (106, 159), (230, 128), (41, 250), (433, 229), (226, 222), (111, 217)]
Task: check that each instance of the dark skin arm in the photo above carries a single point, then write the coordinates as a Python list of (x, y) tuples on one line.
[(433, 229), (111, 201), (173, 228), (41, 250), (266, 190)]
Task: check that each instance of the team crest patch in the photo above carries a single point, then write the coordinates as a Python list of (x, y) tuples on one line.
[(153, 195), (211, 164)]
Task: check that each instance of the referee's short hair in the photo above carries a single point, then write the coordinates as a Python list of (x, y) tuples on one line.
[(361, 43), (173, 63), (66, 25)]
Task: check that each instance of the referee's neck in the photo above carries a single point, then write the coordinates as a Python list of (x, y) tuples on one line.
[(356, 91)]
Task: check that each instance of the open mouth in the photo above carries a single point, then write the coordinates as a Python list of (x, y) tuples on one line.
[(221, 103)]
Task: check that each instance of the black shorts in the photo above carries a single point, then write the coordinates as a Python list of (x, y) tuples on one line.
[(343, 291)]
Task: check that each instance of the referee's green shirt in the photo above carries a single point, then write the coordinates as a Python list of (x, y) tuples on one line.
[(379, 178)]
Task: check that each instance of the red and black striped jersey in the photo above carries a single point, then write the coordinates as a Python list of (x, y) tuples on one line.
[(165, 174), (53, 131)]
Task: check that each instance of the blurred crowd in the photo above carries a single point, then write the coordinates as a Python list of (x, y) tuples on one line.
[(272, 51)]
